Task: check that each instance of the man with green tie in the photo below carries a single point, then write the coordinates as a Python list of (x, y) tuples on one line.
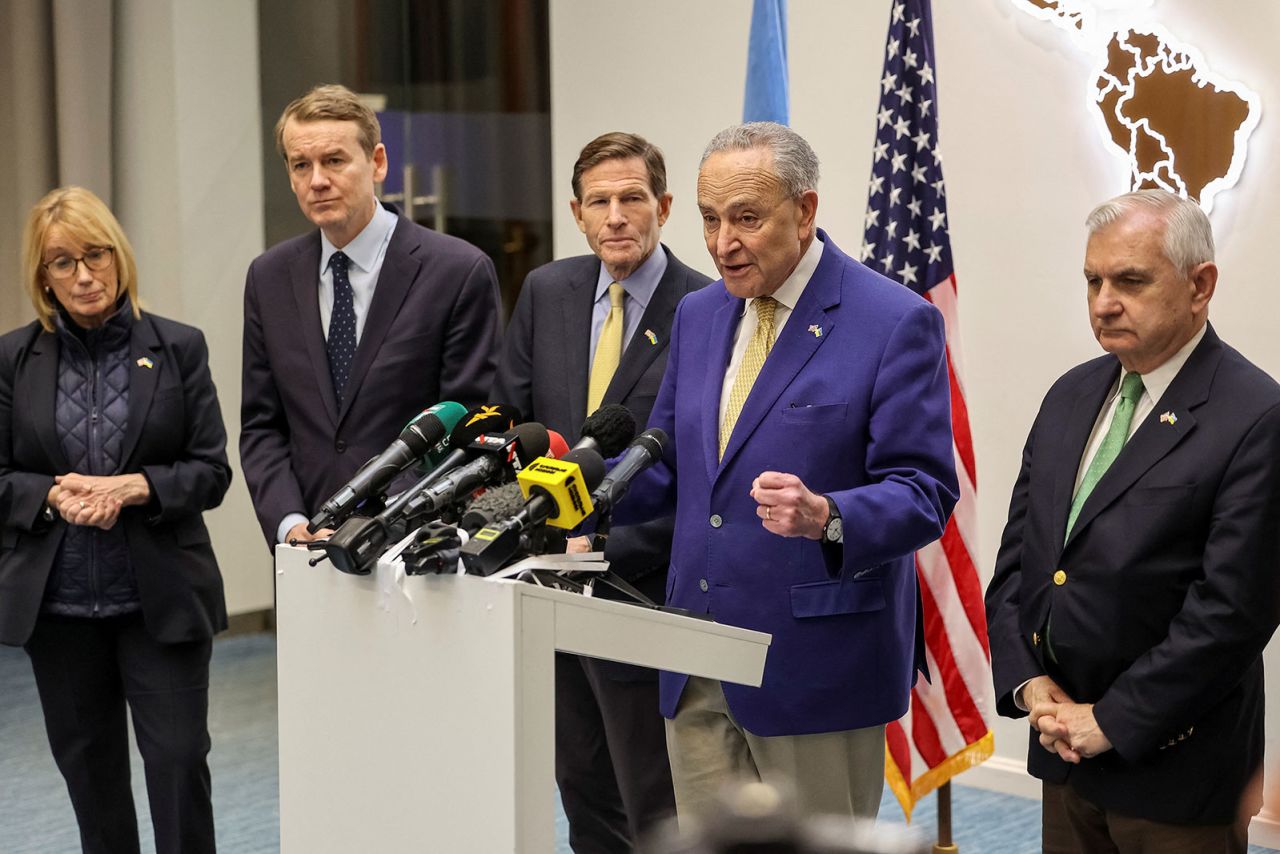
[(1135, 587)]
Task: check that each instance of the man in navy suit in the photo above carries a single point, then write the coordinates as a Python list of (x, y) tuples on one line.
[(807, 402), (1135, 588), (351, 330), (611, 763)]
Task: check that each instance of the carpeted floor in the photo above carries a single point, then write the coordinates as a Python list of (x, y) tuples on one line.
[(36, 817)]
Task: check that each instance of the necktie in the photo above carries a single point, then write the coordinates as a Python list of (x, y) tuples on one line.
[(342, 326), (1117, 435), (752, 361), (608, 350)]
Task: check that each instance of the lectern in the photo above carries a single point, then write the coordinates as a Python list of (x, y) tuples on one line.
[(417, 714)]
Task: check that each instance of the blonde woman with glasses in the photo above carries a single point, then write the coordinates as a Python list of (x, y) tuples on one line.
[(111, 447)]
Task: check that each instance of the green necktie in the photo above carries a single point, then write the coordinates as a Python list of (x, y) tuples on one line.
[(1117, 435)]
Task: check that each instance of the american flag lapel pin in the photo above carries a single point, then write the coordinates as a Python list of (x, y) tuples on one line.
[(145, 362), (1168, 418), (653, 339)]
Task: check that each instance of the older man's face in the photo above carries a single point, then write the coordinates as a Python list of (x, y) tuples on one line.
[(1141, 307), (620, 215), (755, 232)]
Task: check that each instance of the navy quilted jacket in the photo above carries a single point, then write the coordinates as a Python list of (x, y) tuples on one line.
[(91, 576)]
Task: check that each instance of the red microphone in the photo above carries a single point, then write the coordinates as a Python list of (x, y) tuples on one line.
[(559, 447)]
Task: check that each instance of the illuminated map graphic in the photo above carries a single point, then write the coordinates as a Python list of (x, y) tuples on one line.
[(1179, 125)]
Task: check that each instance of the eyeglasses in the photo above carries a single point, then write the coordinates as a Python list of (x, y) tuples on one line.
[(96, 260)]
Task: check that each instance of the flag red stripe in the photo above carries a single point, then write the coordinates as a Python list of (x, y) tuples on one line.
[(965, 577), (896, 739), (925, 735), (960, 422), (963, 709)]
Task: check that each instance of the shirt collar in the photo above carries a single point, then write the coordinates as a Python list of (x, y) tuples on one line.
[(363, 250), (789, 293), (1157, 381), (641, 284)]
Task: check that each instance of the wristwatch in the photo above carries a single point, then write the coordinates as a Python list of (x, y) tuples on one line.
[(833, 531)]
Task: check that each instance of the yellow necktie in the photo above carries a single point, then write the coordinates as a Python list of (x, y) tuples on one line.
[(752, 361), (608, 350)]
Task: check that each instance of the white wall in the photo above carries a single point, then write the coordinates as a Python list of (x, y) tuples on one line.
[(1023, 159), (189, 194)]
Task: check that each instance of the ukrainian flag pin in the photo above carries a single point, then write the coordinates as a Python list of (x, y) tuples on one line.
[(653, 339), (146, 362), (816, 330), (1168, 418)]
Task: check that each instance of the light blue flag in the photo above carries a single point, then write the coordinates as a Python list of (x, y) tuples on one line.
[(766, 97)]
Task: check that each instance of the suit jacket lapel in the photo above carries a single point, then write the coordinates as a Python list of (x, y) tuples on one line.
[(400, 269), (1155, 438), (642, 350), (792, 350), (576, 301), (304, 275), (42, 370), (144, 350)]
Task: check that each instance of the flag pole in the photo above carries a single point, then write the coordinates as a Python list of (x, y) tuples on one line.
[(944, 844)]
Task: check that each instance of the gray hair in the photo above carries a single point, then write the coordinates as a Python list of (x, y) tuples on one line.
[(1188, 237), (794, 162)]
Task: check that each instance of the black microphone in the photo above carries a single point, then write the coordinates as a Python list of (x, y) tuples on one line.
[(493, 546), (646, 450), (490, 419), (500, 457), (355, 545), (608, 430), (419, 436)]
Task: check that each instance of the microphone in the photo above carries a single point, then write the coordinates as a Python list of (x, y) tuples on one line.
[(558, 494), (496, 418), (425, 430), (608, 430), (559, 447), (646, 450), (355, 545), (499, 459), (499, 502)]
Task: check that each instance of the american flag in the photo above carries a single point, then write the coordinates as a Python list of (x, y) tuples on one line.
[(947, 729)]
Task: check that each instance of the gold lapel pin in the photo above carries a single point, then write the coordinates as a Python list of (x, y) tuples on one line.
[(146, 362), (1168, 418)]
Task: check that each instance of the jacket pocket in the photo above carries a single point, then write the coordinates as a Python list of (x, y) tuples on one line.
[(827, 598), (814, 414)]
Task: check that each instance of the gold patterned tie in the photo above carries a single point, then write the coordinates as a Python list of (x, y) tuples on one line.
[(752, 361), (608, 350)]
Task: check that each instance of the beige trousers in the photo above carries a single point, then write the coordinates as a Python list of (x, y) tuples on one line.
[(839, 773)]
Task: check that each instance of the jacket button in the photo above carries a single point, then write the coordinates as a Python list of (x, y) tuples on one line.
[(703, 585), (716, 521), (1059, 578), (340, 446)]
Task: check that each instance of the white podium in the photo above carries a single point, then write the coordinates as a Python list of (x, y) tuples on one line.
[(420, 718)]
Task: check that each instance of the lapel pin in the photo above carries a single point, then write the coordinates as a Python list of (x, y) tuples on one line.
[(146, 362), (653, 339), (1168, 418), (816, 330)]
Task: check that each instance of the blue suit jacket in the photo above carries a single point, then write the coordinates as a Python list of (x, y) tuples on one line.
[(853, 399)]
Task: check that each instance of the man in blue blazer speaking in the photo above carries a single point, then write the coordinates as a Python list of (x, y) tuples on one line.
[(808, 407)]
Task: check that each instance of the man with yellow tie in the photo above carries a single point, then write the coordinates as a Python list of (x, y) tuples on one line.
[(586, 331), (807, 402), (1135, 587)]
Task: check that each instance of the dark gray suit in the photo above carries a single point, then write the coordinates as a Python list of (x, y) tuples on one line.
[(431, 334), (611, 761)]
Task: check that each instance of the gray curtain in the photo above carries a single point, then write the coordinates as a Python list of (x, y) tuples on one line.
[(56, 108)]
